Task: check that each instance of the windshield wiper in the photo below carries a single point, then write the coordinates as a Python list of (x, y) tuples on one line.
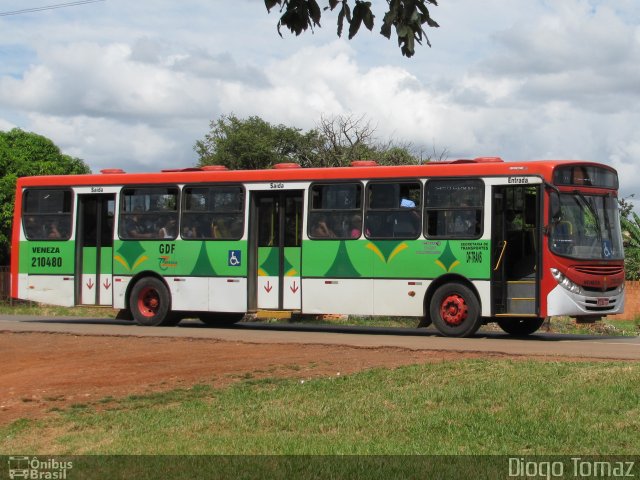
[(593, 212)]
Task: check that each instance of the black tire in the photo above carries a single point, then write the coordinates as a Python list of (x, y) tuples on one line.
[(219, 319), (424, 322), (520, 327), (455, 310), (150, 303)]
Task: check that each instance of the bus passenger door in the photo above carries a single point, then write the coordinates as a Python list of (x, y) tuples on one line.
[(276, 246), (516, 250), (94, 249)]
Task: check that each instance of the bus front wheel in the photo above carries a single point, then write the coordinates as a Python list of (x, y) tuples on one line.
[(150, 303), (455, 310), (520, 326)]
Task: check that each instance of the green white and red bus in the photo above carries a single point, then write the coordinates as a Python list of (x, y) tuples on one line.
[(457, 243)]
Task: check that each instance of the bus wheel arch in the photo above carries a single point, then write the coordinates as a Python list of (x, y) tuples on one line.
[(149, 300), (453, 305)]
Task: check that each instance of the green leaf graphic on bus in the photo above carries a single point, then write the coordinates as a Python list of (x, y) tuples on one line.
[(447, 260), (131, 255), (386, 251)]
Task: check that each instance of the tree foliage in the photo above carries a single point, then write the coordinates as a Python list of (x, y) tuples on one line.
[(253, 143), (407, 17), (630, 223), (24, 154)]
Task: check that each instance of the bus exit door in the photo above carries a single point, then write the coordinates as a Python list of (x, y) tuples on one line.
[(94, 249), (276, 250), (516, 240)]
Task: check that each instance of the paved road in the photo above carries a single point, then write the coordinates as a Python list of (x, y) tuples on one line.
[(541, 344)]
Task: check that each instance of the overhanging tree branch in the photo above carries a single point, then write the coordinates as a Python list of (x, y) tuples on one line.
[(407, 17)]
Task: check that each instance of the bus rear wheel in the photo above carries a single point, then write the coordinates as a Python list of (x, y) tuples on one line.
[(150, 303), (455, 310), (219, 319), (520, 326)]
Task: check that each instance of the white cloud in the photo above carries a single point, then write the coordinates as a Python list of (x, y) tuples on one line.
[(111, 143), (135, 84)]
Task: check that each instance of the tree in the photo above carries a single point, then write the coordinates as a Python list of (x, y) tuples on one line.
[(406, 16), (630, 222), (345, 138), (252, 144), (336, 141), (24, 154)]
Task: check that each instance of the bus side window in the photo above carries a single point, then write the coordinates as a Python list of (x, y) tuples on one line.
[(335, 211), (454, 208), (46, 214), (148, 213), (393, 210), (213, 212)]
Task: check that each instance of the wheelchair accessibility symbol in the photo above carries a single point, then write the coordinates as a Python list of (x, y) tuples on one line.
[(235, 258)]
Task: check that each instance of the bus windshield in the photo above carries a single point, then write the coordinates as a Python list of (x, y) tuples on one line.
[(586, 227)]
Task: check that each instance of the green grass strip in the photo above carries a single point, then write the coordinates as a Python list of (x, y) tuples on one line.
[(464, 407)]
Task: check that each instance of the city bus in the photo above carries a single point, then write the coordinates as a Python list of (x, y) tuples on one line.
[(455, 243)]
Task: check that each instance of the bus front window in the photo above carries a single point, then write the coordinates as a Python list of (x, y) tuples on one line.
[(586, 227)]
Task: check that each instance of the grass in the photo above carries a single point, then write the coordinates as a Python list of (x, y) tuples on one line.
[(37, 309), (609, 327), (467, 407)]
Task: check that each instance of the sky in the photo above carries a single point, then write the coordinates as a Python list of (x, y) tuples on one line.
[(134, 84)]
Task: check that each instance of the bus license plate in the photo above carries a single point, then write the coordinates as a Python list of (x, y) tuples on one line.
[(603, 302)]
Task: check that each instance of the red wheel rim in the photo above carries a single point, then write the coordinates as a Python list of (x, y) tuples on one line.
[(454, 310), (148, 302)]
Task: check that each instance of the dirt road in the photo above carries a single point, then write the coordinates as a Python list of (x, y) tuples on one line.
[(54, 363)]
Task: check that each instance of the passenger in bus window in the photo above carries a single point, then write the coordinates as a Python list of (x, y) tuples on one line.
[(407, 223), (188, 232), (218, 229), (235, 228), (33, 229), (356, 226), (321, 228), (136, 227), (169, 230), (464, 221), (54, 232), (514, 220)]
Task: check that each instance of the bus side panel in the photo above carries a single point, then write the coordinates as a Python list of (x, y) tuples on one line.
[(202, 276), (337, 277), (484, 292), (228, 294), (51, 289), (120, 285), (202, 294), (400, 297), (189, 293), (47, 268), (337, 295)]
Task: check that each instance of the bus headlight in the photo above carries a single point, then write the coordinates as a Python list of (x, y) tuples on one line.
[(565, 282)]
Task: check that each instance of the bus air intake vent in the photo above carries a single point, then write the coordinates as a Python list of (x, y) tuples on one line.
[(488, 160), (364, 163), (213, 168), (188, 169), (284, 166), (599, 269), (107, 171)]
